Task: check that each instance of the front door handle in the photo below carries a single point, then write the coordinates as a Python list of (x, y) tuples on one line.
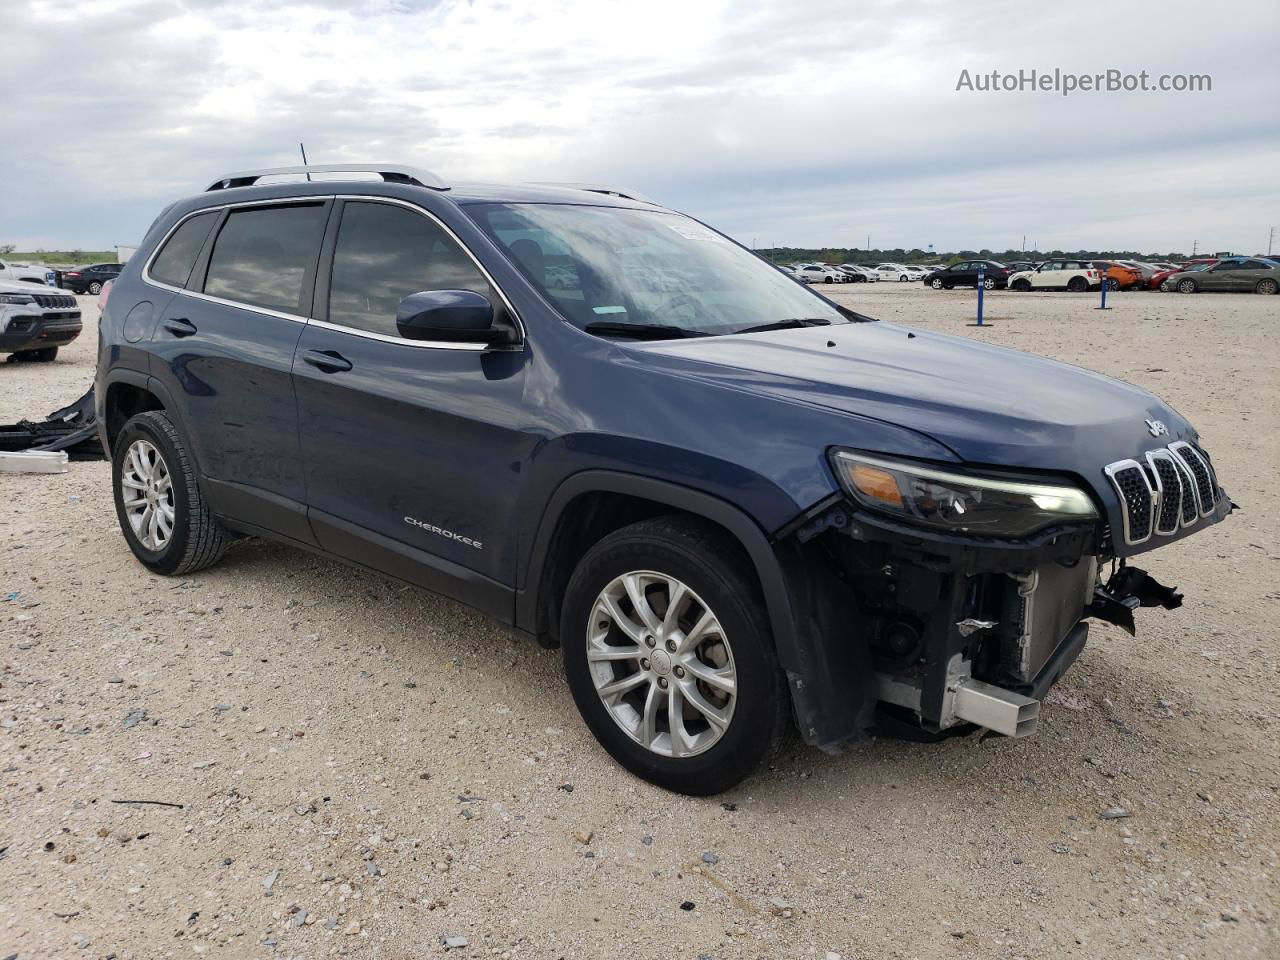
[(330, 361), (180, 326)]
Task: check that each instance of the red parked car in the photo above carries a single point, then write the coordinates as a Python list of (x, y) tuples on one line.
[(1161, 276)]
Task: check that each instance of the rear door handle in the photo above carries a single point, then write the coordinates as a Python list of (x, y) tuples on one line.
[(330, 361), (180, 326)]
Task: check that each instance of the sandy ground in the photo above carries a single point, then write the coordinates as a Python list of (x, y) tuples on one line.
[(365, 769)]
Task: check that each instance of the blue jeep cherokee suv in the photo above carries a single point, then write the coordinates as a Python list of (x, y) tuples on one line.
[(734, 504)]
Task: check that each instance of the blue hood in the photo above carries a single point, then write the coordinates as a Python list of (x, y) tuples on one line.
[(988, 404)]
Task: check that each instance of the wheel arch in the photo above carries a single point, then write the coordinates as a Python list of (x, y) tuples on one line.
[(589, 505), (127, 394)]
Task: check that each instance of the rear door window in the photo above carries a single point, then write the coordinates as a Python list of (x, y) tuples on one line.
[(173, 265), (266, 256)]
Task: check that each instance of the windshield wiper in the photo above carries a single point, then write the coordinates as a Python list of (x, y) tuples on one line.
[(787, 324), (642, 331)]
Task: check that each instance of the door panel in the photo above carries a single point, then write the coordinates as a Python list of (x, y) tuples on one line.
[(412, 451), (414, 448), (229, 364)]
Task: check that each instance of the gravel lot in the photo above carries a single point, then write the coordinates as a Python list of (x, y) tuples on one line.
[(365, 769)]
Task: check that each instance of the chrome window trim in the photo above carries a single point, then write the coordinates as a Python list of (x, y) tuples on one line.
[(1162, 453), (1205, 508), (1111, 470), (340, 328)]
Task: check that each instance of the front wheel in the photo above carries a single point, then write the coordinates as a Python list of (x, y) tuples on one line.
[(1022, 286), (935, 283), (1186, 286), (669, 657), (1113, 283), (1266, 287), (162, 512)]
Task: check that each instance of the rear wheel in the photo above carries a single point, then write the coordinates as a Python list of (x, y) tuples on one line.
[(989, 283), (1077, 284), (162, 512), (1265, 287), (95, 288), (669, 658), (1187, 286)]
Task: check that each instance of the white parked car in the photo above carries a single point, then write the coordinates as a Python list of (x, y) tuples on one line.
[(895, 271), (819, 273), (26, 273), (1059, 274), (859, 274)]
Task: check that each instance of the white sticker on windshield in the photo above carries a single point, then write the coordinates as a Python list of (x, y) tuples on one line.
[(608, 309), (694, 231)]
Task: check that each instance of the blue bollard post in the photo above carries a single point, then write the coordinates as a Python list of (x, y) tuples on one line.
[(982, 282), (1103, 286)]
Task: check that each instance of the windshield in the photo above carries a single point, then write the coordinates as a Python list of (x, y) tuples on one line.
[(622, 272)]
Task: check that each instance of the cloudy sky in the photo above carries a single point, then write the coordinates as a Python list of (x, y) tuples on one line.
[(796, 124)]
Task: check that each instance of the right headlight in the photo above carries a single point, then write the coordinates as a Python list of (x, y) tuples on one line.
[(957, 501)]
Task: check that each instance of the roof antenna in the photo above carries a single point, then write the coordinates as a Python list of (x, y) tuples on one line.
[(304, 158)]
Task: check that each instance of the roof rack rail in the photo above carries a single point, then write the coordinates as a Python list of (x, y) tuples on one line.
[(390, 172), (597, 188)]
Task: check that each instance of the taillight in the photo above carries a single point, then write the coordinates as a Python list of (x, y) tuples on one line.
[(72, 273)]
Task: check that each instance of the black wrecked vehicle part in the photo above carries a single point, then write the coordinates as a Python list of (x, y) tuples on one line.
[(73, 428)]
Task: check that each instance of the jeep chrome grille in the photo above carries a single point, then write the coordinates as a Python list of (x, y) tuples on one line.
[(1173, 489), (48, 301)]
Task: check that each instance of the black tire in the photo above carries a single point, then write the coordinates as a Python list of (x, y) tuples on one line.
[(1021, 285), (936, 283), (1187, 286), (1266, 287), (1113, 283), (43, 355), (198, 540), (1077, 284), (989, 283), (709, 562), (95, 288), (828, 280)]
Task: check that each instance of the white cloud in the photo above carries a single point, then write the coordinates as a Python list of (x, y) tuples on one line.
[(804, 126)]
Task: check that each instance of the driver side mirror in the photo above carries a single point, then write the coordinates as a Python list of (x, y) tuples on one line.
[(450, 316)]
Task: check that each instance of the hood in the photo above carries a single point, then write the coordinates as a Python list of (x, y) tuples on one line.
[(990, 405), (23, 286)]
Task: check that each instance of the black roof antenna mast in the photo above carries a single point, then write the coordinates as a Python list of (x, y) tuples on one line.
[(304, 158)]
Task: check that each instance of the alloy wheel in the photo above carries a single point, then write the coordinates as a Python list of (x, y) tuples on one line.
[(147, 493), (661, 664)]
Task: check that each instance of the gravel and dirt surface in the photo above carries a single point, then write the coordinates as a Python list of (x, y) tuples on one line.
[(366, 770)]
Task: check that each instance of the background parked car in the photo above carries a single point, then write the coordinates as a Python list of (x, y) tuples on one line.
[(26, 273), (855, 274), (819, 273), (1160, 280), (965, 274), (1117, 275), (1231, 275), (90, 279), (1059, 274), (1018, 266), (1148, 270), (894, 271)]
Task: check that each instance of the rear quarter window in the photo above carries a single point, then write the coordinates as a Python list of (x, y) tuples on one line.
[(178, 255)]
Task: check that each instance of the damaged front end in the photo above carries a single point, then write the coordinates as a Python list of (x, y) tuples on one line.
[(929, 613)]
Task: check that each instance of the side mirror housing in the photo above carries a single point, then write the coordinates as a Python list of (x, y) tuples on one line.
[(450, 316)]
